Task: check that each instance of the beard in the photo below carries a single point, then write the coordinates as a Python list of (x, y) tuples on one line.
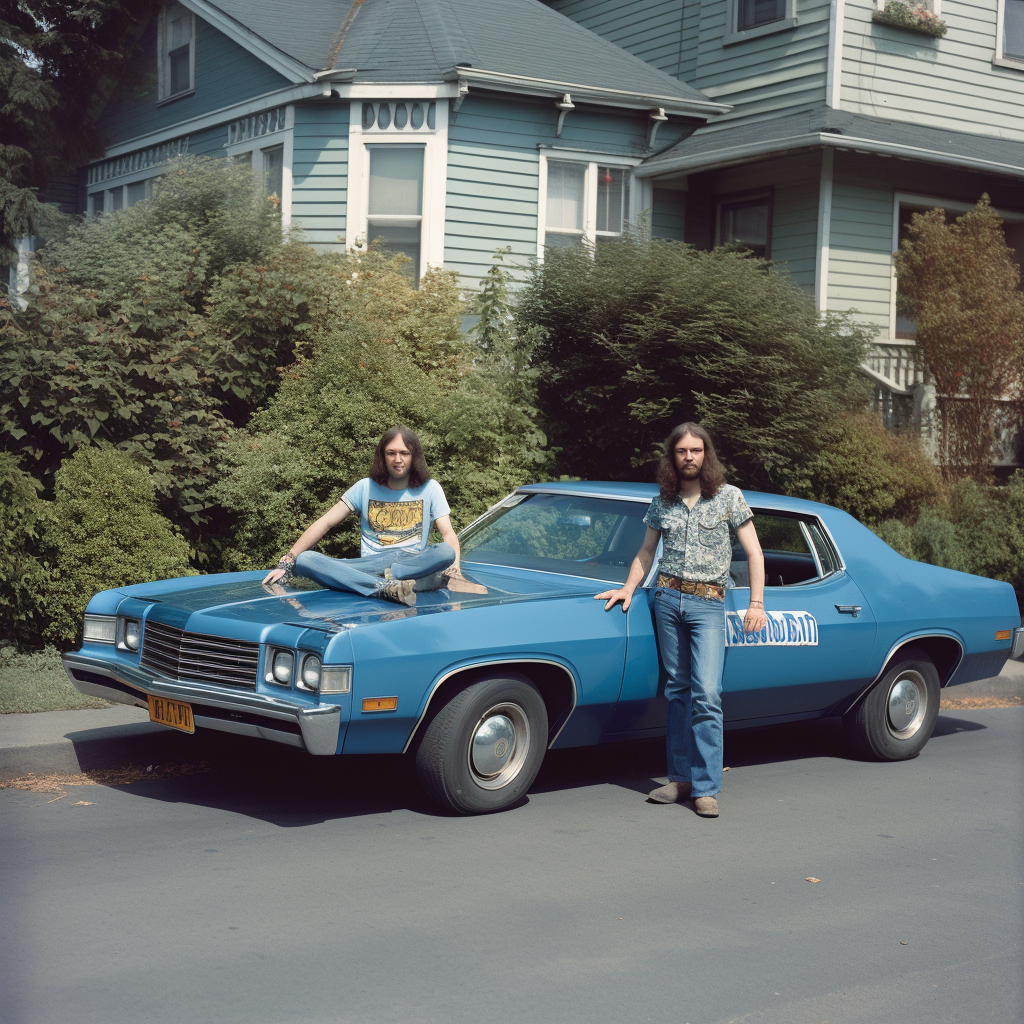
[(689, 472)]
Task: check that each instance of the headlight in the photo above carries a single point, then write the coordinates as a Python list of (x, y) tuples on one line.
[(311, 672), (336, 679), (100, 629), (281, 664), (131, 634)]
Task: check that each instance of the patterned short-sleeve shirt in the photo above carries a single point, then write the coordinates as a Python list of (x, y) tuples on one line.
[(698, 543)]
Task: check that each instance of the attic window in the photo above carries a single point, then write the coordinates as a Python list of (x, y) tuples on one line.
[(176, 34)]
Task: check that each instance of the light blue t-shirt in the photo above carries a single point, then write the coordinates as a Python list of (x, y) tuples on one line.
[(395, 519)]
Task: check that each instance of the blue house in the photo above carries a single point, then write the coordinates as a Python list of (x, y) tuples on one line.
[(806, 130)]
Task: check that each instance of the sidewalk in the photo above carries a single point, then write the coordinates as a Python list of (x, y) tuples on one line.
[(76, 741)]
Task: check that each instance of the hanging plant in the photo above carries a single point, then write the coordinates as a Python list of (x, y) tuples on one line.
[(916, 18)]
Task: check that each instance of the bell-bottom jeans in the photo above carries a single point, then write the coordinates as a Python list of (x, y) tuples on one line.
[(691, 636), (366, 575)]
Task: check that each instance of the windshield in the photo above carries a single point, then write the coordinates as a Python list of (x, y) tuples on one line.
[(577, 536)]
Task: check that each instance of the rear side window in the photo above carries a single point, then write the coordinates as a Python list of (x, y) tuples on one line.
[(796, 550)]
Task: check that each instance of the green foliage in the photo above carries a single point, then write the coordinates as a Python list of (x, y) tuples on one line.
[(961, 284), (916, 17), (36, 681), (376, 353), (105, 533), (642, 334), (897, 535), (23, 571), (872, 473), (141, 333)]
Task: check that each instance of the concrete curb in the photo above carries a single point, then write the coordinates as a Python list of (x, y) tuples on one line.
[(77, 741)]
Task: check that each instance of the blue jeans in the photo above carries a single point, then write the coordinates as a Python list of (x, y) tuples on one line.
[(691, 636), (366, 575)]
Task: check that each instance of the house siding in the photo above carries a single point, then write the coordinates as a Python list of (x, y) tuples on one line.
[(947, 83), (668, 214), (494, 168), (225, 74), (320, 173)]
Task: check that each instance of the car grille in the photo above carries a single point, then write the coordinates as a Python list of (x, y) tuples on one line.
[(192, 656)]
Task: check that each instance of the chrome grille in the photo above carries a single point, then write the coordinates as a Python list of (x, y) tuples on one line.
[(193, 656)]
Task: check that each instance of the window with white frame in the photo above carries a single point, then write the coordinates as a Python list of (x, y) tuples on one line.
[(264, 142), (176, 39), (120, 197), (398, 167), (745, 222), (584, 201), (751, 18), (1010, 29)]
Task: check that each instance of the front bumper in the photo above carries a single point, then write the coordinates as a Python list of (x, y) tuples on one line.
[(1017, 647), (314, 729)]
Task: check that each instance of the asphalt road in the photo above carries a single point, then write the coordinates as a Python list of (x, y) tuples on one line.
[(279, 888)]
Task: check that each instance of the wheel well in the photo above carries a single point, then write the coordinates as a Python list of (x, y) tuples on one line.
[(554, 683)]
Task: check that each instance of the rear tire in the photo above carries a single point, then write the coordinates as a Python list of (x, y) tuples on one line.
[(896, 718), (484, 748)]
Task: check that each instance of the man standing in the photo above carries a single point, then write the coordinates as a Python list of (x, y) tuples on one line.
[(396, 504), (696, 513)]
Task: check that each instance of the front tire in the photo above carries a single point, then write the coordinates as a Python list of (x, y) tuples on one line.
[(896, 718), (484, 748)]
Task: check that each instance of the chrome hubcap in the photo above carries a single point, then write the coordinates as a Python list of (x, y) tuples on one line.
[(499, 745), (907, 704)]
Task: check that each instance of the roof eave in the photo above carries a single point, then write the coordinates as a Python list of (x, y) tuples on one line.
[(730, 156), (550, 88)]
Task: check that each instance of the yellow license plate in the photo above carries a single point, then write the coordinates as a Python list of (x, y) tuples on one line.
[(171, 712)]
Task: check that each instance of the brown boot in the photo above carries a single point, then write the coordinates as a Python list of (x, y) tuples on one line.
[(706, 806), (670, 793), (398, 590)]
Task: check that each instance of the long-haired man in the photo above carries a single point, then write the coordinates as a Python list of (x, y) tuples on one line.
[(396, 504), (696, 514)]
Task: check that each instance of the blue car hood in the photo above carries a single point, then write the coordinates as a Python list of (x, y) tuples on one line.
[(241, 598)]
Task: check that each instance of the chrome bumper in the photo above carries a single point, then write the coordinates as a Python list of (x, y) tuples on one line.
[(1017, 647), (318, 727)]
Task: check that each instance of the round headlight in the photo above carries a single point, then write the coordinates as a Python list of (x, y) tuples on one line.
[(311, 672), (132, 632), (283, 662)]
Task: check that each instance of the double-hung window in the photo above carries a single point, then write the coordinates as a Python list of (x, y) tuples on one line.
[(751, 18), (1010, 28), (176, 37), (395, 207), (583, 201)]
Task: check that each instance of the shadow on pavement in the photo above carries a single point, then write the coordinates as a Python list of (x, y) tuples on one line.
[(290, 789)]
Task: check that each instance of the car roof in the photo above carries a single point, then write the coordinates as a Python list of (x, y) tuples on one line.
[(631, 489)]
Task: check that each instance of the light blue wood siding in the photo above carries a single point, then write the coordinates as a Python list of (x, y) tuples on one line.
[(947, 83), (493, 173), (225, 73), (650, 29), (320, 173)]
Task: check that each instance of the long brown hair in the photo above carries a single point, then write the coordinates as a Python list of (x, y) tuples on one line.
[(712, 474), (418, 472)]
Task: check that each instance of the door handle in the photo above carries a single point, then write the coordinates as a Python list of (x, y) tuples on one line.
[(848, 609)]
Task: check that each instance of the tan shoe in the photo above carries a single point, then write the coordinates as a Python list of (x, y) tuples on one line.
[(669, 793), (706, 806), (457, 583), (398, 590)]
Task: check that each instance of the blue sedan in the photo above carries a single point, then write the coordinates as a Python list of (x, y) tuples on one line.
[(477, 687)]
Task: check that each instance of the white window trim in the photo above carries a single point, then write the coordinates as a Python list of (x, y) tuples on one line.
[(435, 177), (286, 138), (150, 174), (736, 35), (640, 190), (1000, 59), (956, 205), (163, 77)]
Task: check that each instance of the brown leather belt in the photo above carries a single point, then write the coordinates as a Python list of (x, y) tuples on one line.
[(712, 590)]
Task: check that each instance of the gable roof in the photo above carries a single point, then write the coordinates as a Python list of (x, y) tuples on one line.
[(722, 146), (510, 45)]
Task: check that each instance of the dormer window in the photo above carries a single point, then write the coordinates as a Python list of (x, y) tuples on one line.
[(177, 48)]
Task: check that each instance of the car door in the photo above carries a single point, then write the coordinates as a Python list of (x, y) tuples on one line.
[(819, 641)]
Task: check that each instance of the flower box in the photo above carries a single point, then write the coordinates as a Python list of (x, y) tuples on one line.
[(914, 18)]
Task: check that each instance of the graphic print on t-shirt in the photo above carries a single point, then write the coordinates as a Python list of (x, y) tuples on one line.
[(395, 522)]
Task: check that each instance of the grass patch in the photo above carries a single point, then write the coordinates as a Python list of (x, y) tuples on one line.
[(38, 682)]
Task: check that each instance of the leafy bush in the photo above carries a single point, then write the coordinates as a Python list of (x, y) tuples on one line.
[(642, 334), (870, 472), (377, 353), (105, 533), (23, 571)]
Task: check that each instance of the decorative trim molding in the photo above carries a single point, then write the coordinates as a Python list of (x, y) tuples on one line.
[(255, 126), (141, 160)]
